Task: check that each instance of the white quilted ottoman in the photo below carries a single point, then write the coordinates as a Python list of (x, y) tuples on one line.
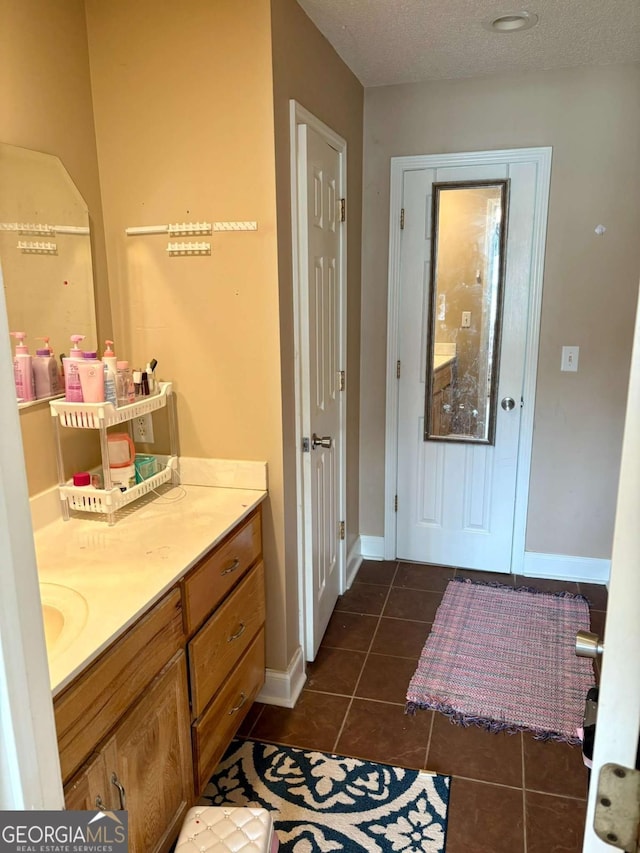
[(218, 829)]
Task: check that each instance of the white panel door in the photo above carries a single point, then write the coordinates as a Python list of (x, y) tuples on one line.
[(618, 723), (456, 501), (319, 183)]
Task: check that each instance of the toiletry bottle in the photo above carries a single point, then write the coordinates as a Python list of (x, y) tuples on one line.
[(45, 371), (151, 379), (137, 383), (124, 384), (73, 388), (91, 371), (23, 370), (110, 373)]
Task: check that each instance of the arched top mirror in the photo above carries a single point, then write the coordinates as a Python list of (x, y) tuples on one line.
[(45, 251), (468, 239)]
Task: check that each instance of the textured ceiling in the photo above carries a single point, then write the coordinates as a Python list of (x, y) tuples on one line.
[(406, 41)]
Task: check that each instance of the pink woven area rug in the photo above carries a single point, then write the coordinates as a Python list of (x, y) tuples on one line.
[(504, 659)]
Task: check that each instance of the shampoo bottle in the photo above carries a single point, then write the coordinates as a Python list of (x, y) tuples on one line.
[(23, 370), (110, 373), (73, 388), (45, 371)]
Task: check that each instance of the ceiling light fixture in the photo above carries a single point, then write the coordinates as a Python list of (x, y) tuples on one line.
[(511, 22)]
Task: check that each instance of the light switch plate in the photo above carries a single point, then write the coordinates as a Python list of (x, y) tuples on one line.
[(569, 360), (466, 319)]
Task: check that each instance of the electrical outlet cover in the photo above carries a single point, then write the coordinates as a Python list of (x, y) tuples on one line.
[(143, 428)]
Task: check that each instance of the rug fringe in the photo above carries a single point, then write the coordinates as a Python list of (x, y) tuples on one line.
[(487, 723), (578, 596)]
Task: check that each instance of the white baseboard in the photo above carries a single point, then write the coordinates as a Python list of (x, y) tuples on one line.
[(283, 688), (372, 547), (354, 561), (561, 567)]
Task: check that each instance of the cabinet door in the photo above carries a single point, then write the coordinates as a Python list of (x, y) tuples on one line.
[(90, 788), (150, 755)]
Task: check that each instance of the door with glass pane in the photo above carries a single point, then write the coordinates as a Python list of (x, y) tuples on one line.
[(466, 257)]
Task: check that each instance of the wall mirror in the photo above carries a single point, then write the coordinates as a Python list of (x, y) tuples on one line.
[(468, 239), (45, 251)]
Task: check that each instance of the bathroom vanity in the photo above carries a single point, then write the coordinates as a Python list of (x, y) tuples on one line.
[(444, 376), (170, 656)]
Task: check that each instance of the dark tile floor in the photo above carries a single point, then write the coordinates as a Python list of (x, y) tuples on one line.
[(510, 793)]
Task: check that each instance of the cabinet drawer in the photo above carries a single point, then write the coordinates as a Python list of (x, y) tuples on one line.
[(224, 638), (441, 378), (209, 582), (96, 700), (213, 731)]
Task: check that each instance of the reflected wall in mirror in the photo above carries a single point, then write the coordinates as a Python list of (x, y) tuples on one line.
[(45, 251), (468, 241)]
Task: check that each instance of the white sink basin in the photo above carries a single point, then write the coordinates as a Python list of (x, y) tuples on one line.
[(64, 612)]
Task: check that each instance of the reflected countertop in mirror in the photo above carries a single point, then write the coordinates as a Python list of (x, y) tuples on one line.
[(45, 251)]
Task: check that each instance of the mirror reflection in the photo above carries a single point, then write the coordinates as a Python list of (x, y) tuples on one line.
[(45, 251), (467, 270)]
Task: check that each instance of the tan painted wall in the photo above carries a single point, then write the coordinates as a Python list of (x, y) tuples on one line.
[(307, 69), (45, 105), (184, 120), (591, 117)]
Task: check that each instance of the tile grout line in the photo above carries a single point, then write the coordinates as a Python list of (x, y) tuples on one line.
[(366, 657), (426, 755)]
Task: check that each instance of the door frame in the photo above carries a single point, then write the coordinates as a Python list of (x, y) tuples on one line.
[(29, 761), (298, 115), (399, 165)]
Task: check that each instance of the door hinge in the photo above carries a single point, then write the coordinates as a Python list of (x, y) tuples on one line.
[(342, 380), (306, 447), (617, 814), (343, 210), (341, 532), (401, 218), (395, 504), (398, 369)]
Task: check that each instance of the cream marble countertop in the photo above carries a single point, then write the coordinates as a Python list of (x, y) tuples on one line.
[(442, 360), (121, 570)]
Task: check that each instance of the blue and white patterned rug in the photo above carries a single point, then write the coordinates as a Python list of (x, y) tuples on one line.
[(330, 803)]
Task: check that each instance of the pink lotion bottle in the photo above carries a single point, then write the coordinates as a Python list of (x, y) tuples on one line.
[(23, 370), (91, 378)]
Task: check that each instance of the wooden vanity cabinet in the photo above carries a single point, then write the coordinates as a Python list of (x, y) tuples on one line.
[(226, 650), (145, 766), (442, 399), (124, 723), (144, 726)]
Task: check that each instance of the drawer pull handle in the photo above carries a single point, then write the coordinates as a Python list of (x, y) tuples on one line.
[(100, 804), (123, 796), (231, 568), (243, 699), (238, 633)]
